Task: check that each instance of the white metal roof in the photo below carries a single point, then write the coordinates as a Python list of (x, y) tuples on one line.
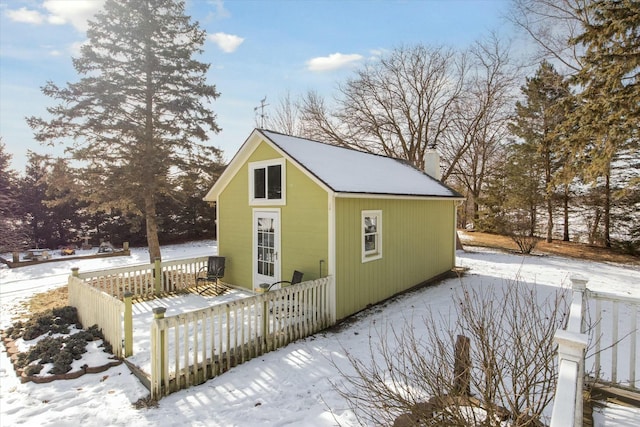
[(350, 171)]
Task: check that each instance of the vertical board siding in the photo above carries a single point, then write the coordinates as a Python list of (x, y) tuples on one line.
[(303, 222), (418, 243)]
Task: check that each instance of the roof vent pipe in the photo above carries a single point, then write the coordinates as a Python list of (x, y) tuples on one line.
[(432, 163)]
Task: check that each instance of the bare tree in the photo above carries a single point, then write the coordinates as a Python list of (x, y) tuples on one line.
[(479, 125), (286, 117), (398, 106), (512, 372), (551, 24)]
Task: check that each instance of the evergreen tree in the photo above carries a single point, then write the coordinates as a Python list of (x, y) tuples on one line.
[(32, 196), (606, 121), (12, 230), (537, 121), (137, 111)]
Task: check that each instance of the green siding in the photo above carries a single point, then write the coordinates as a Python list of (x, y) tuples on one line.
[(417, 244), (303, 222)]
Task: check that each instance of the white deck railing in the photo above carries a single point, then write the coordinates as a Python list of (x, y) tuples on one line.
[(190, 348), (147, 279), (614, 339), (582, 328)]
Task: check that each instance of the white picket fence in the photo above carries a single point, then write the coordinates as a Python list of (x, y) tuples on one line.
[(190, 348), (99, 308), (147, 279), (584, 330)]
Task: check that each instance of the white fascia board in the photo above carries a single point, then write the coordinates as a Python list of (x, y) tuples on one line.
[(239, 159), (393, 196), (242, 156)]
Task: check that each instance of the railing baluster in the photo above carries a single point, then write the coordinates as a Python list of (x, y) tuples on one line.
[(598, 337), (632, 353), (614, 343)]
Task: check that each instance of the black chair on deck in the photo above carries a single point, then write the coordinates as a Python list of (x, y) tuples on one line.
[(297, 278), (211, 274)]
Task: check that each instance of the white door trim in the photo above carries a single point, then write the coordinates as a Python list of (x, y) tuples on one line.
[(275, 258)]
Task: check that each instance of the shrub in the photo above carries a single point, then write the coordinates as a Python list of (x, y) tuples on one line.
[(60, 351), (55, 321), (412, 373)]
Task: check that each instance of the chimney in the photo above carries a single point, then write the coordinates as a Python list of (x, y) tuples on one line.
[(432, 163)]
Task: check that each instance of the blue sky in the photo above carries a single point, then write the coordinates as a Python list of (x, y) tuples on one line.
[(255, 48)]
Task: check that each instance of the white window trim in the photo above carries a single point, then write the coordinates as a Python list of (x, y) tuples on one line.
[(283, 180), (377, 254)]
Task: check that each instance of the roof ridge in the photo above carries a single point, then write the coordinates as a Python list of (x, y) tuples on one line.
[(338, 146)]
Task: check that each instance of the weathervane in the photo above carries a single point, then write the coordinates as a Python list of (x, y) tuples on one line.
[(262, 114)]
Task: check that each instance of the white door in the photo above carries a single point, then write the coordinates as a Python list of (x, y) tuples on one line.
[(266, 247)]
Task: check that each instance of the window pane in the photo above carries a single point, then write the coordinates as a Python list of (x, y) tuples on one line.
[(370, 242), (259, 183), (370, 224), (274, 182)]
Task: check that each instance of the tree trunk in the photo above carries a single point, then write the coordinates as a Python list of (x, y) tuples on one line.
[(607, 209), (152, 228), (549, 219), (565, 234), (150, 179), (548, 191)]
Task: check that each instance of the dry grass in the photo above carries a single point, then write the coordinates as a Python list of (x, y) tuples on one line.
[(556, 247), (44, 301)]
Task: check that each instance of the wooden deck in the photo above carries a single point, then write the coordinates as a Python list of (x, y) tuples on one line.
[(599, 394), (206, 291)]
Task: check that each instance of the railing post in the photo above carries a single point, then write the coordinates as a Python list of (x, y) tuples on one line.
[(265, 322), (75, 271), (157, 275), (160, 380), (579, 284), (572, 343), (128, 324), (571, 347)]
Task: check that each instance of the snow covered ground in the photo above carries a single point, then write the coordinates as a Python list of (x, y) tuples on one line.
[(291, 386)]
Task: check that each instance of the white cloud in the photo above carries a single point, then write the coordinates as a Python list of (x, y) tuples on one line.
[(59, 12), (226, 42), (25, 15), (333, 61), (221, 12), (74, 12)]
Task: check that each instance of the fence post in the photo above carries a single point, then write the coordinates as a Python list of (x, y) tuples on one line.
[(571, 347), (160, 380), (572, 343), (157, 275), (75, 271), (265, 322), (332, 300), (128, 324), (579, 284)]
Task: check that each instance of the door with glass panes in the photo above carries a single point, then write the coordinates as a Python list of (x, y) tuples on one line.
[(266, 232)]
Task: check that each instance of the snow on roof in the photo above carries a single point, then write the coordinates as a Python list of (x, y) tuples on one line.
[(349, 171)]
